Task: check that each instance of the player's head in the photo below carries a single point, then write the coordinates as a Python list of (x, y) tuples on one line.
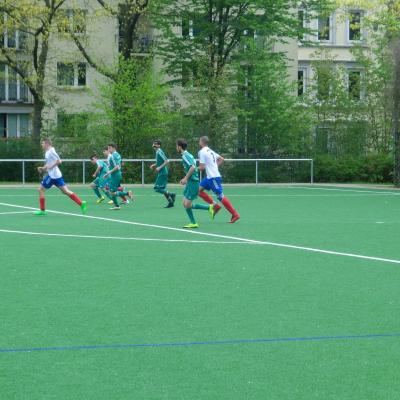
[(156, 144), (112, 147), (181, 145), (106, 152), (46, 143), (203, 141), (93, 158)]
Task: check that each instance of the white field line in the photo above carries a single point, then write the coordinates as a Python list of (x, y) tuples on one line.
[(29, 233), (235, 238), (14, 212), (393, 192)]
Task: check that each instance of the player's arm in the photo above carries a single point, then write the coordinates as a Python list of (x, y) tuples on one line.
[(97, 172), (162, 165), (202, 166), (220, 160), (188, 175)]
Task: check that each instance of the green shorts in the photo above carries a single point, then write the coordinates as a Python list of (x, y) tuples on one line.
[(100, 182), (161, 181), (114, 182), (191, 190)]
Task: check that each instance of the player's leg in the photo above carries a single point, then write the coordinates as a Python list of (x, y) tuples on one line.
[(42, 201), (218, 190), (160, 186), (205, 184), (187, 204), (121, 192), (114, 185), (95, 187), (64, 189)]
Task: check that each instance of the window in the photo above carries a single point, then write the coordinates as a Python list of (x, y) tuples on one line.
[(301, 82), (11, 38), (323, 84), (301, 15), (354, 26), (12, 88), (190, 74), (14, 125), (355, 85), (69, 74), (72, 20), (324, 28), (192, 28)]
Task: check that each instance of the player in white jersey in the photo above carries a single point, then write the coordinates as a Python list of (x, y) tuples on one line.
[(54, 177), (209, 161)]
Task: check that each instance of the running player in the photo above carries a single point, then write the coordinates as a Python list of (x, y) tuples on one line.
[(210, 161), (191, 182), (160, 166), (125, 201), (54, 177), (100, 182), (115, 175)]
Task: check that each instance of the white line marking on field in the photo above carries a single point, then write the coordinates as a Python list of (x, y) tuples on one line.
[(376, 191), (235, 238), (15, 212), (29, 233)]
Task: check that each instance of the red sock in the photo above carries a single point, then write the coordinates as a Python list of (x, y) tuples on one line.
[(227, 204), (206, 197), (76, 199), (42, 203)]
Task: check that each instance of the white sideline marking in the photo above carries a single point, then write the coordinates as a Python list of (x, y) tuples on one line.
[(376, 191), (14, 212), (244, 240), (114, 237)]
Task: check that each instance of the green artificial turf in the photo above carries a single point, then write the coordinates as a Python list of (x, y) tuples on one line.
[(65, 299)]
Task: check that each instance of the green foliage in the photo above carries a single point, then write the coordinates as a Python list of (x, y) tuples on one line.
[(133, 107), (374, 168)]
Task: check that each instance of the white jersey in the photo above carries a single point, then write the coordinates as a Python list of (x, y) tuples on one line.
[(51, 156), (209, 158)]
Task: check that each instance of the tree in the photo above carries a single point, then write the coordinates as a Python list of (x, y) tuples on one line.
[(201, 38), (35, 20)]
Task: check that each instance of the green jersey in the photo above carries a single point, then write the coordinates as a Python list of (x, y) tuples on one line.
[(113, 160), (103, 168), (189, 161), (160, 159)]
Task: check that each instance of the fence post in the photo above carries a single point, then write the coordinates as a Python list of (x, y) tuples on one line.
[(23, 172), (83, 172), (256, 172), (312, 171), (142, 173)]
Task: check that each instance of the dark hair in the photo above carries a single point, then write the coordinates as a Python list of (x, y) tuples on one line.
[(182, 143), (157, 141), (105, 148), (112, 145), (94, 155), (205, 139)]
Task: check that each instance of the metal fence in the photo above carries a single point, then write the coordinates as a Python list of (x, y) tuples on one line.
[(137, 171)]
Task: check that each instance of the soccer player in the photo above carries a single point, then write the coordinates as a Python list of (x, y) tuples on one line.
[(160, 166), (191, 182), (210, 161), (115, 175), (54, 177), (100, 182)]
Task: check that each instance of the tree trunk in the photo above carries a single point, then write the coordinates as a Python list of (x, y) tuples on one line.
[(38, 106), (395, 45)]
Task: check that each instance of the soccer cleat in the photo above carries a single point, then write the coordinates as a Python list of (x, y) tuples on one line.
[(110, 202), (40, 213), (130, 194), (217, 207), (211, 211), (125, 202), (100, 200), (169, 205), (234, 218), (115, 208), (191, 226), (84, 207), (172, 196)]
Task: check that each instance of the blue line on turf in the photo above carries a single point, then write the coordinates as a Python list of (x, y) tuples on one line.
[(201, 343)]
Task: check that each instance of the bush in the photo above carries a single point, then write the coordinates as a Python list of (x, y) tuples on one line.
[(373, 168)]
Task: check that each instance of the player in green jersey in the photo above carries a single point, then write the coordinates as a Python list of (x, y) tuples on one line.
[(114, 176), (160, 166), (191, 182), (100, 182)]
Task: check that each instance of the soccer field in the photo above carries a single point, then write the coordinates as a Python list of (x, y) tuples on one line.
[(298, 300)]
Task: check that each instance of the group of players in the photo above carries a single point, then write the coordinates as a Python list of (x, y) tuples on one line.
[(108, 178)]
